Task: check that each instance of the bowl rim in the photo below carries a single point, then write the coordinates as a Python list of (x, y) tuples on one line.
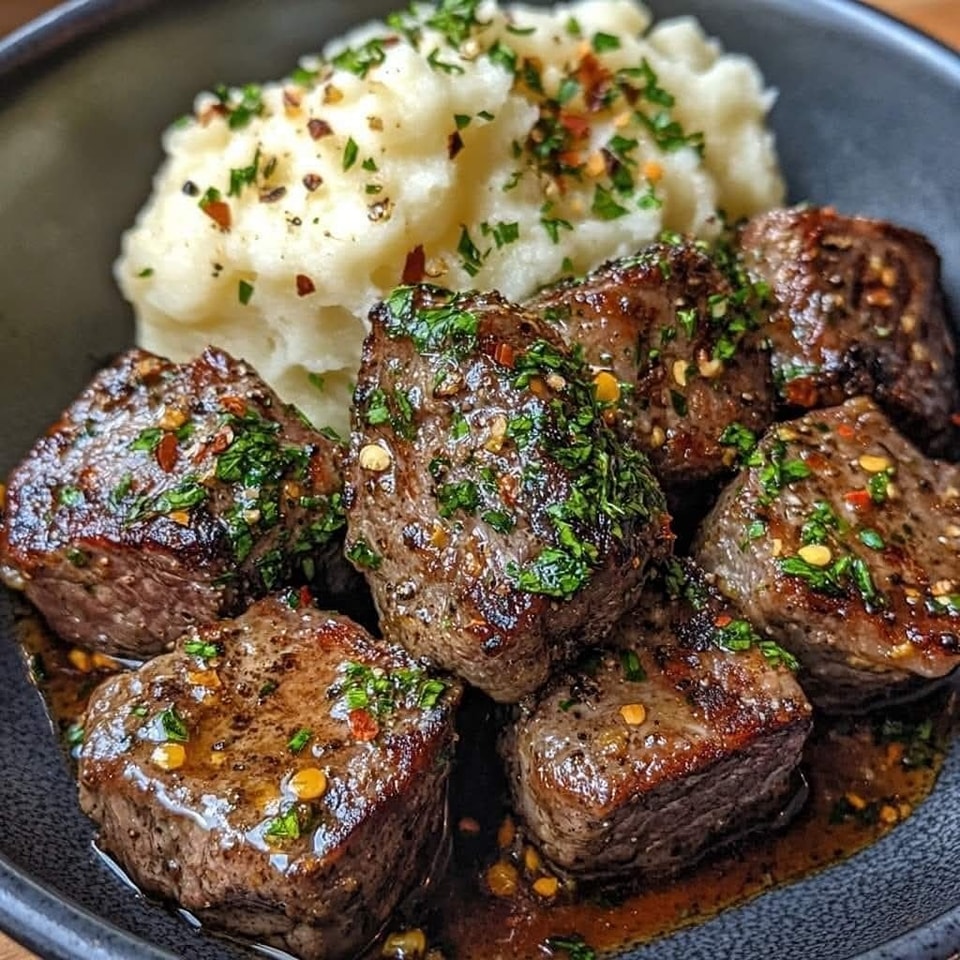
[(57, 928)]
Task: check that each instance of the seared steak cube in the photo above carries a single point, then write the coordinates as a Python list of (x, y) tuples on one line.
[(675, 328), (281, 775), (841, 541), (501, 524), (659, 748), (168, 495), (860, 312)]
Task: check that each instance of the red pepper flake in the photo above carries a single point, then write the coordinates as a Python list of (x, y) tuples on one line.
[(216, 446), (802, 392), (291, 99), (219, 212), (505, 355), (312, 180), (722, 620), (415, 266), (214, 110), (576, 124), (858, 499), (595, 80), (305, 597), (362, 726), (454, 144), (846, 431), (816, 461), (319, 128), (272, 196), (167, 453), (955, 419), (235, 405), (305, 286)]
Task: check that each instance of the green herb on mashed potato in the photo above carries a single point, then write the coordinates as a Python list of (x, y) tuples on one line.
[(460, 143)]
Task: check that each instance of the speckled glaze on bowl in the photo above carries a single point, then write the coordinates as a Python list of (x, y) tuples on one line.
[(868, 118)]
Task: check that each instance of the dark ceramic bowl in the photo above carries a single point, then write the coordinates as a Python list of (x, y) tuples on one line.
[(868, 118)]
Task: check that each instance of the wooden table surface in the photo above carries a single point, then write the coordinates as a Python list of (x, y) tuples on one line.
[(940, 18)]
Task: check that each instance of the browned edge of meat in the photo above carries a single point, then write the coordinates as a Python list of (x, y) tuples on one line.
[(860, 311), (675, 324), (167, 495), (842, 542), (501, 524), (685, 733), (281, 775)]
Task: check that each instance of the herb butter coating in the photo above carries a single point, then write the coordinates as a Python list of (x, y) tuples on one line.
[(842, 542), (281, 775), (676, 325), (501, 524), (684, 731), (168, 495)]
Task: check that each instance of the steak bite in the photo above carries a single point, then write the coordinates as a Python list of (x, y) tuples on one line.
[(841, 541), (281, 775), (673, 324), (168, 495), (860, 311), (683, 734), (501, 524)]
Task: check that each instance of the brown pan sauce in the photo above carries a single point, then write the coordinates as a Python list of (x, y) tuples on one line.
[(865, 776)]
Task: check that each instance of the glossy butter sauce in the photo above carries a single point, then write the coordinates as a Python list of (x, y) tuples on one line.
[(865, 775)]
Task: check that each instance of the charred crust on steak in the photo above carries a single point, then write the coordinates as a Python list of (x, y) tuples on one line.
[(665, 717), (842, 541), (288, 816), (532, 522), (859, 311), (676, 325), (166, 495)]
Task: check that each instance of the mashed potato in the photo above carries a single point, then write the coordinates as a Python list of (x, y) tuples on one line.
[(463, 144)]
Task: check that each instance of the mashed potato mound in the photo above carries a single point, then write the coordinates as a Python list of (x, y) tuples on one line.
[(463, 144)]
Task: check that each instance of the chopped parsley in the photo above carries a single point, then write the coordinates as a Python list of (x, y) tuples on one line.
[(878, 486), (738, 635), (573, 945), (360, 554), (381, 692), (457, 496), (604, 42), (632, 667), (820, 524), (471, 259), (244, 292), (244, 176), (350, 152), (870, 538), (299, 740), (202, 649), (837, 579), (610, 484), (186, 495), (443, 325), (395, 408), (775, 470), (240, 106), (70, 497), (174, 726), (742, 439), (147, 440), (285, 826), (604, 205), (361, 60), (500, 520)]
